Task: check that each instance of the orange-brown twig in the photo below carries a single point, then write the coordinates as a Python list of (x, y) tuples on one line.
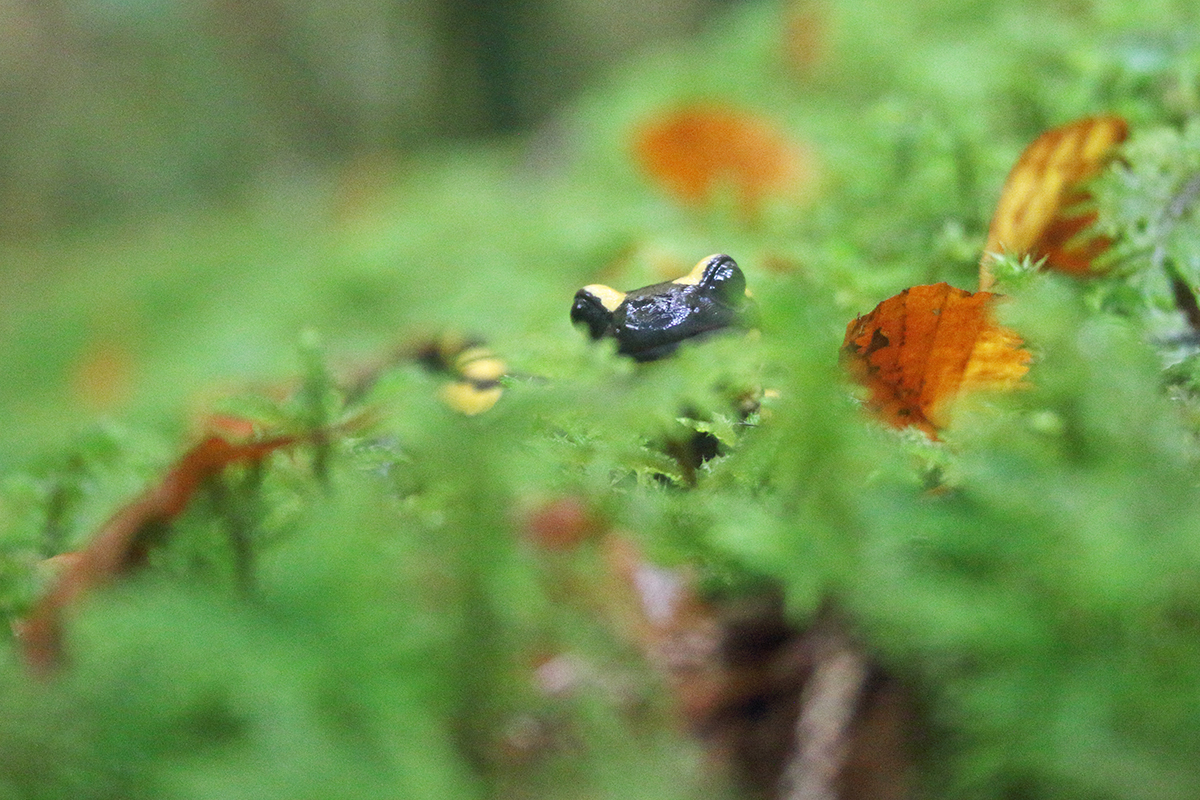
[(123, 541)]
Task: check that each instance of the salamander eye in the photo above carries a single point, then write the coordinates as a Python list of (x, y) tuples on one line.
[(589, 309), (724, 278)]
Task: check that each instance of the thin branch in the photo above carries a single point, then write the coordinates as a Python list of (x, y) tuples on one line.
[(825, 727), (123, 542)]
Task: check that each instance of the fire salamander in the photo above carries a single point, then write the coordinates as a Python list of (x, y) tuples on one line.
[(475, 370), (649, 323)]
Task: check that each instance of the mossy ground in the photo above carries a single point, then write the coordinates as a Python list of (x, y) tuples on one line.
[(1045, 604)]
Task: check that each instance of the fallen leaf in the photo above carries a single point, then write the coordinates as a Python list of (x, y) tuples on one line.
[(918, 351), (123, 542), (1044, 211), (695, 152)]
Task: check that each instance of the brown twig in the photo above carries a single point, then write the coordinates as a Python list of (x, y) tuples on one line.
[(825, 727), (123, 542)]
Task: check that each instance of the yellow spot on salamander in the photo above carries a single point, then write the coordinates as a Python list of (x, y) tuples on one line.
[(466, 398), (697, 273), (478, 365), (609, 297), (485, 370)]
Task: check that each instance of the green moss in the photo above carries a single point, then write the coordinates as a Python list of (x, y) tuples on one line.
[(361, 618)]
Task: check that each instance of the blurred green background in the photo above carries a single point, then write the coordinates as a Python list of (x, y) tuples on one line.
[(186, 189), (114, 108), (185, 185)]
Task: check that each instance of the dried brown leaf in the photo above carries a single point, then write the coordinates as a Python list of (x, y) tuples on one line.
[(920, 350), (1044, 211), (123, 541)]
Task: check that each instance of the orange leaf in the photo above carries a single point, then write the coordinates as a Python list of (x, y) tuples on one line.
[(696, 151), (1043, 211), (122, 543), (917, 351)]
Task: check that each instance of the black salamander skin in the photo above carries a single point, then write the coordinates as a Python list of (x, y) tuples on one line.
[(649, 323)]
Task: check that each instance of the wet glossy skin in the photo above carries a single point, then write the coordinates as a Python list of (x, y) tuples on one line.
[(650, 322)]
